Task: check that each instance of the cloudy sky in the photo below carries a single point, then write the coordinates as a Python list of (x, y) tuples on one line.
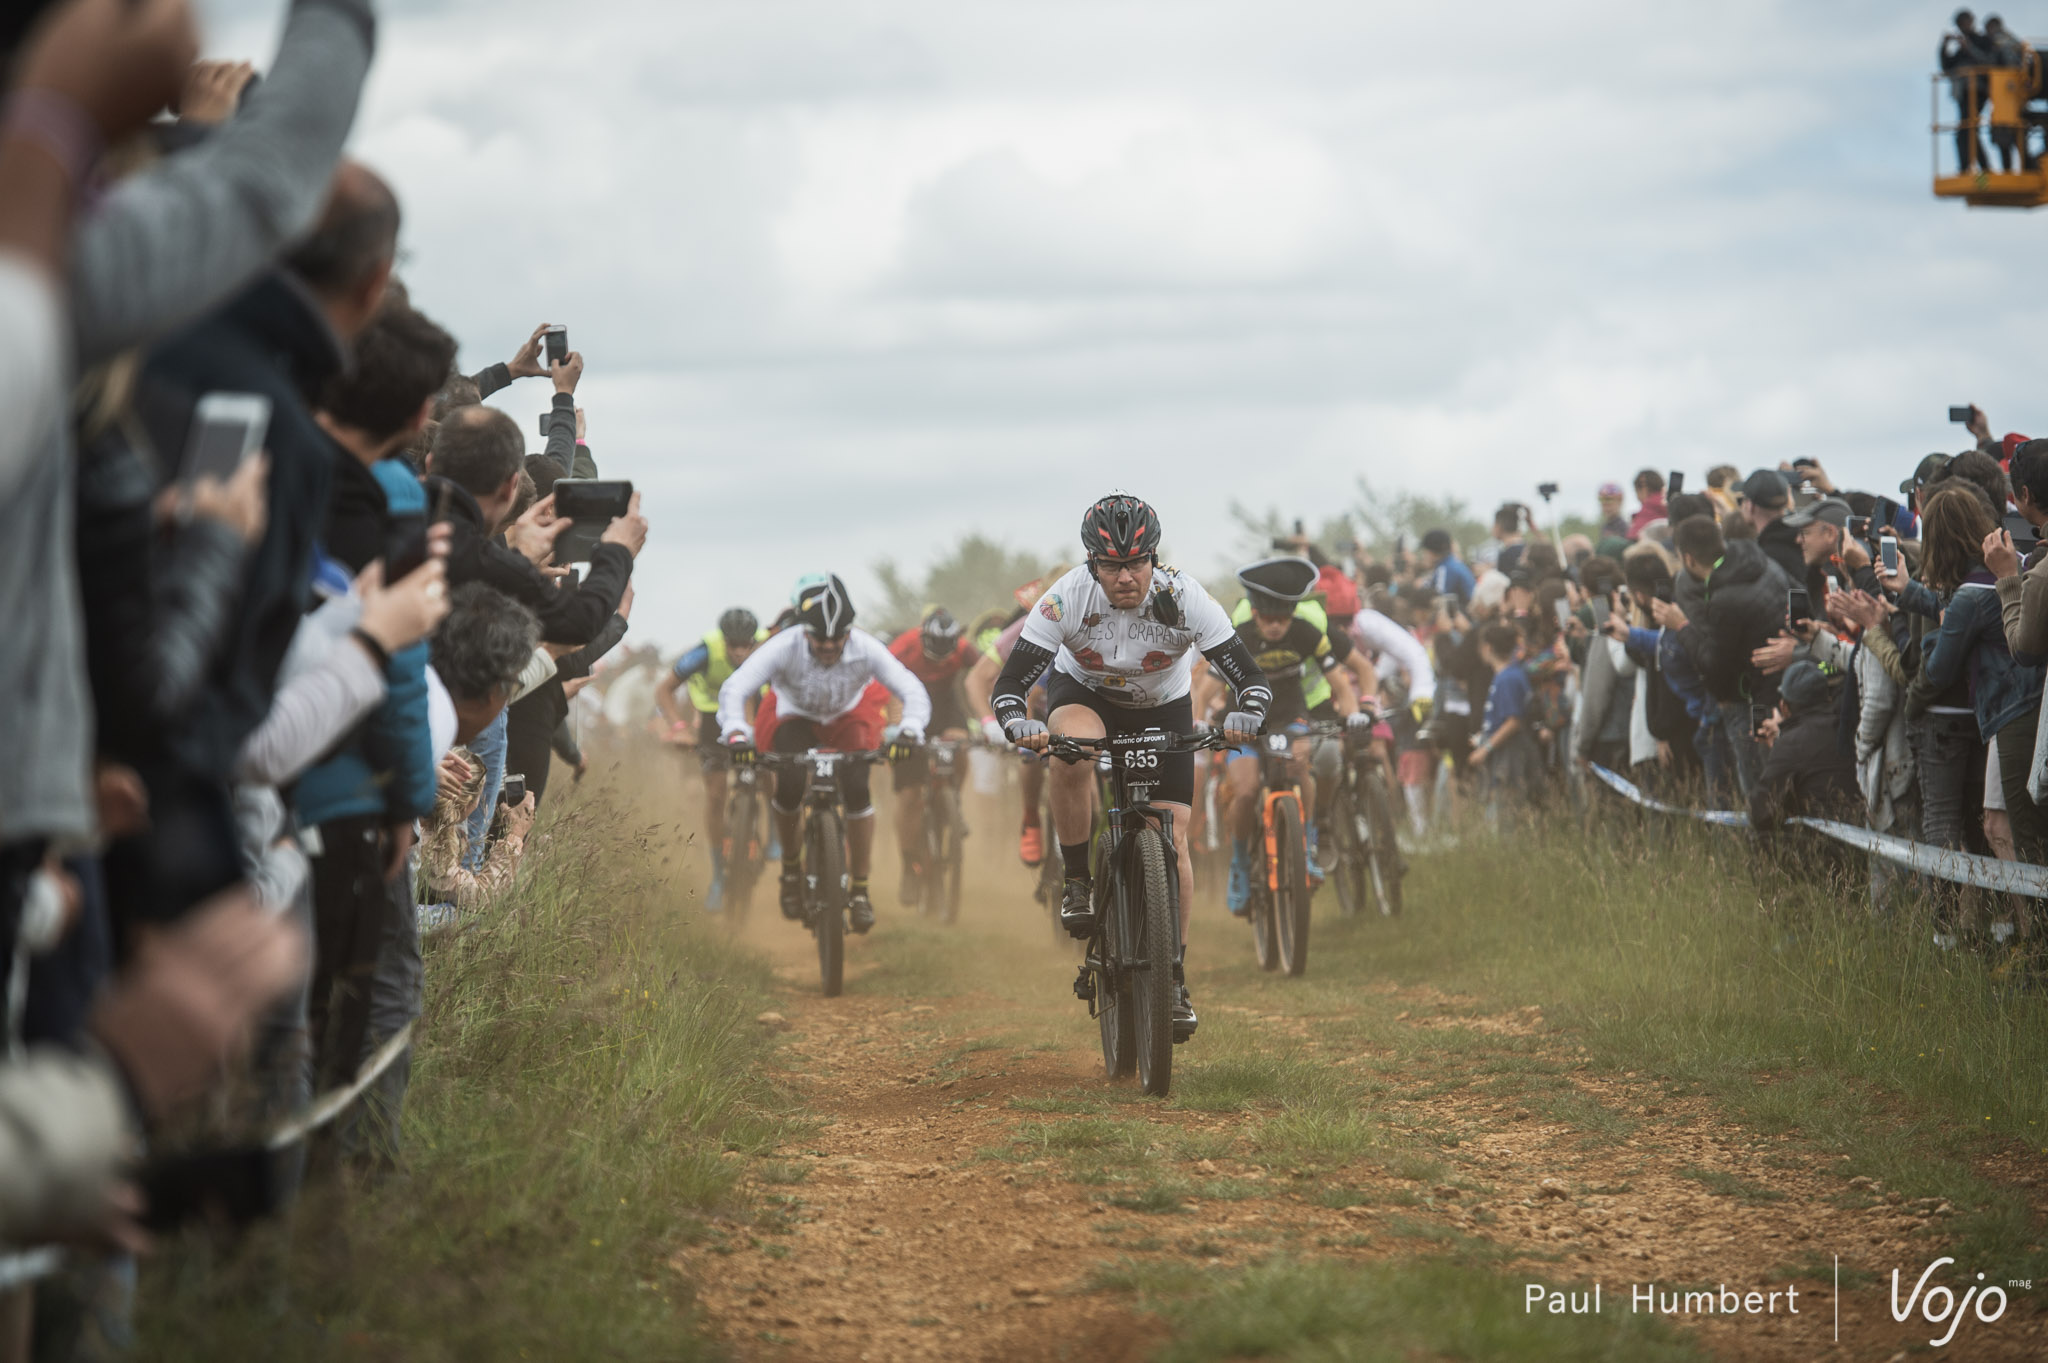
[(854, 277)]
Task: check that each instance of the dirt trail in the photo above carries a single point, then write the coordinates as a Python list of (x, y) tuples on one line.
[(909, 1224)]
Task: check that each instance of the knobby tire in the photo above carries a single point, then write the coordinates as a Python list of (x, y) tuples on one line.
[(825, 875), (1149, 906), (1291, 899), (1387, 865), (1352, 877), (1113, 1008)]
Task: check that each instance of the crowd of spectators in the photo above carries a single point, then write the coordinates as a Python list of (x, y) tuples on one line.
[(1774, 644), (241, 693)]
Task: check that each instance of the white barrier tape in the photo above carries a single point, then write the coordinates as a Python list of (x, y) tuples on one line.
[(27, 1266), (330, 1105), (1943, 863), (1721, 818)]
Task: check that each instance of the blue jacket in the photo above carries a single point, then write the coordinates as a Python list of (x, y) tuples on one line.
[(387, 765), (1971, 641), (1677, 670), (1452, 578)]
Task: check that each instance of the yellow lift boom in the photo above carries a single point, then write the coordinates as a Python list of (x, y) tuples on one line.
[(1994, 101)]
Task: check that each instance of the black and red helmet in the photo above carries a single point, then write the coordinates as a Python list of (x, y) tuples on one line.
[(1120, 529)]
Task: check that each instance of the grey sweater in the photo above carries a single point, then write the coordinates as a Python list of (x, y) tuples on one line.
[(163, 247)]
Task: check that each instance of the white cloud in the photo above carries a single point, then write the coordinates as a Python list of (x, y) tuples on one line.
[(853, 279)]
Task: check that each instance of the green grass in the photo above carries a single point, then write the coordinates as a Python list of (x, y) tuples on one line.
[(1728, 1185), (587, 1087), (1324, 1312), (1780, 997)]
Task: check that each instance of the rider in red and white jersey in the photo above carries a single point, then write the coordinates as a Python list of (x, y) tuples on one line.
[(938, 653)]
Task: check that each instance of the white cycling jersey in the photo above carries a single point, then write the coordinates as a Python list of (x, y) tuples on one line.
[(1128, 656), (1381, 637), (804, 687)]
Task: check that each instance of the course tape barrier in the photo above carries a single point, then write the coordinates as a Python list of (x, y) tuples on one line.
[(1943, 863), (26, 1266)]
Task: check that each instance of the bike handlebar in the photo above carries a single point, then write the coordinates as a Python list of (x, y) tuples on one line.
[(810, 755), (1069, 745)]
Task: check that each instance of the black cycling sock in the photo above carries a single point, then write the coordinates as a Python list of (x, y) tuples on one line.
[(1075, 855)]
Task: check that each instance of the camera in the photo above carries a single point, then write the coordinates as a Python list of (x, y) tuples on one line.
[(1546, 490)]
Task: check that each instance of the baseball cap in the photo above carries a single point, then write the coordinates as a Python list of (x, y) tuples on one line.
[(1833, 510), (1804, 686), (1926, 471), (1610, 490), (1766, 487)]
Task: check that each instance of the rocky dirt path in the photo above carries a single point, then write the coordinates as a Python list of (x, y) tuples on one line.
[(969, 1177)]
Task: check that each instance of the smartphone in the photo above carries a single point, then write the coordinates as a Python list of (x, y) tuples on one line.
[(572, 581), (1959, 415), (1667, 593), (2024, 536), (593, 504), (1805, 462), (235, 1186), (226, 429), (512, 790), (1798, 605), (1675, 485), (405, 546), (1564, 614), (1859, 527), (544, 424), (556, 339), (1888, 550), (1757, 715)]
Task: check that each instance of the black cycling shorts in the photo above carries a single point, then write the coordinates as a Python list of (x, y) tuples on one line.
[(949, 712), (1176, 770), (712, 753), (800, 734)]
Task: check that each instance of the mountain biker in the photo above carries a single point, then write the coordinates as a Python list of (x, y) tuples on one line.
[(1118, 632), (702, 671), (1403, 664), (938, 654), (818, 673), (1306, 665), (980, 685)]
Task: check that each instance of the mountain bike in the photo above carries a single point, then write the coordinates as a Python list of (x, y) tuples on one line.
[(1279, 905), (746, 821), (944, 830), (1127, 976), (822, 836), (1363, 850)]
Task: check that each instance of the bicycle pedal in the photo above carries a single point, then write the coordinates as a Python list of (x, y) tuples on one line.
[(1084, 985)]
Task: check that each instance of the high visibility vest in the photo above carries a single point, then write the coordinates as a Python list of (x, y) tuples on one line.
[(704, 686), (1315, 687)]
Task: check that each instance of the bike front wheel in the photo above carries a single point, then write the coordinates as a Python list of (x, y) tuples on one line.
[(1386, 865), (1348, 870), (743, 857), (825, 883), (1290, 885), (1112, 948), (1149, 918)]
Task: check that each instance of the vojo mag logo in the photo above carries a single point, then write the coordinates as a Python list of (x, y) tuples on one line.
[(1948, 1311)]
